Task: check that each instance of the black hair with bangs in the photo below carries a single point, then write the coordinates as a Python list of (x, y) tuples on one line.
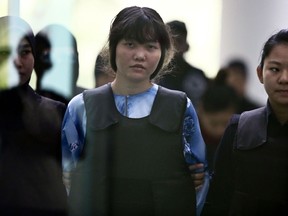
[(141, 24)]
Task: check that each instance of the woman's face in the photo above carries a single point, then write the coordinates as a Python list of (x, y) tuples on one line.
[(274, 75), (136, 62), (24, 61)]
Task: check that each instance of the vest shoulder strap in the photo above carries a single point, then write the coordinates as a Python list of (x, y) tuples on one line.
[(100, 107), (168, 109), (251, 131)]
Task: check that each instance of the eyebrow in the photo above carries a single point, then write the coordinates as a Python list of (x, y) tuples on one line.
[(273, 62)]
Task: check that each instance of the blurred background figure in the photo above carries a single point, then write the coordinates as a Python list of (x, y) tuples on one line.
[(30, 132), (235, 74), (103, 73), (57, 63), (215, 109), (183, 76)]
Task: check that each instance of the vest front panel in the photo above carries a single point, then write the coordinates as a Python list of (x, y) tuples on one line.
[(132, 167), (261, 179)]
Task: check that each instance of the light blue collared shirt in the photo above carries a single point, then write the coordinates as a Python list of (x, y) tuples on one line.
[(133, 106)]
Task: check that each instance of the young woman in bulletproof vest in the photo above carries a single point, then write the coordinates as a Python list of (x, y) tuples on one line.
[(129, 144), (251, 175)]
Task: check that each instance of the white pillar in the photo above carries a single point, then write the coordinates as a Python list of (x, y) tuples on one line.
[(13, 7)]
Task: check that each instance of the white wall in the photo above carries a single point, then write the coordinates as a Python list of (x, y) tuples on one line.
[(217, 29)]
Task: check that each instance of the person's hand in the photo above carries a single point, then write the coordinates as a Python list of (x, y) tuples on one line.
[(198, 177), (67, 180)]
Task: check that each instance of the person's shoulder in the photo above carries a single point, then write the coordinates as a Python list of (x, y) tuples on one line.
[(44, 105), (42, 101), (79, 89), (50, 101), (98, 90), (51, 104), (255, 115), (76, 100), (168, 91), (174, 95), (190, 67), (234, 119), (197, 69)]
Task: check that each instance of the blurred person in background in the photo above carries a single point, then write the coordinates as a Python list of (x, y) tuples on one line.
[(30, 132), (182, 75), (103, 73), (217, 105), (57, 63), (235, 74)]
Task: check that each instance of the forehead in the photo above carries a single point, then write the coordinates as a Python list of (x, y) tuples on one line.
[(141, 35), (24, 44), (279, 51)]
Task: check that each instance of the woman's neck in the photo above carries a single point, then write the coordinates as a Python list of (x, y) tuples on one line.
[(129, 89)]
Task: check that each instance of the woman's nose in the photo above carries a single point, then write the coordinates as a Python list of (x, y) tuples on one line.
[(17, 61), (284, 76), (140, 54)]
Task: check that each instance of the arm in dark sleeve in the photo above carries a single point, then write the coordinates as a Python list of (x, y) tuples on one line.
[(221, 186)]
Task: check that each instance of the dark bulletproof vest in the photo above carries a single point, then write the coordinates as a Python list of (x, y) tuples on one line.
[(133, 166), (261, 173)]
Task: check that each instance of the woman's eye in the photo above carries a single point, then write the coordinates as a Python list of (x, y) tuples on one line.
[(152, 46), (129, 44), (274, 69), (24, 52)]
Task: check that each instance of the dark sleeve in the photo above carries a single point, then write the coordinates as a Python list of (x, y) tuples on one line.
[(221, 186)]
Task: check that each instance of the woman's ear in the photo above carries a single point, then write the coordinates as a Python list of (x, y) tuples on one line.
[(260, 73)]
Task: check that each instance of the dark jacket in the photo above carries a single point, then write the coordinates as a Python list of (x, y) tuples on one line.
[(30, 154), (185, 77), (251, 175)]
